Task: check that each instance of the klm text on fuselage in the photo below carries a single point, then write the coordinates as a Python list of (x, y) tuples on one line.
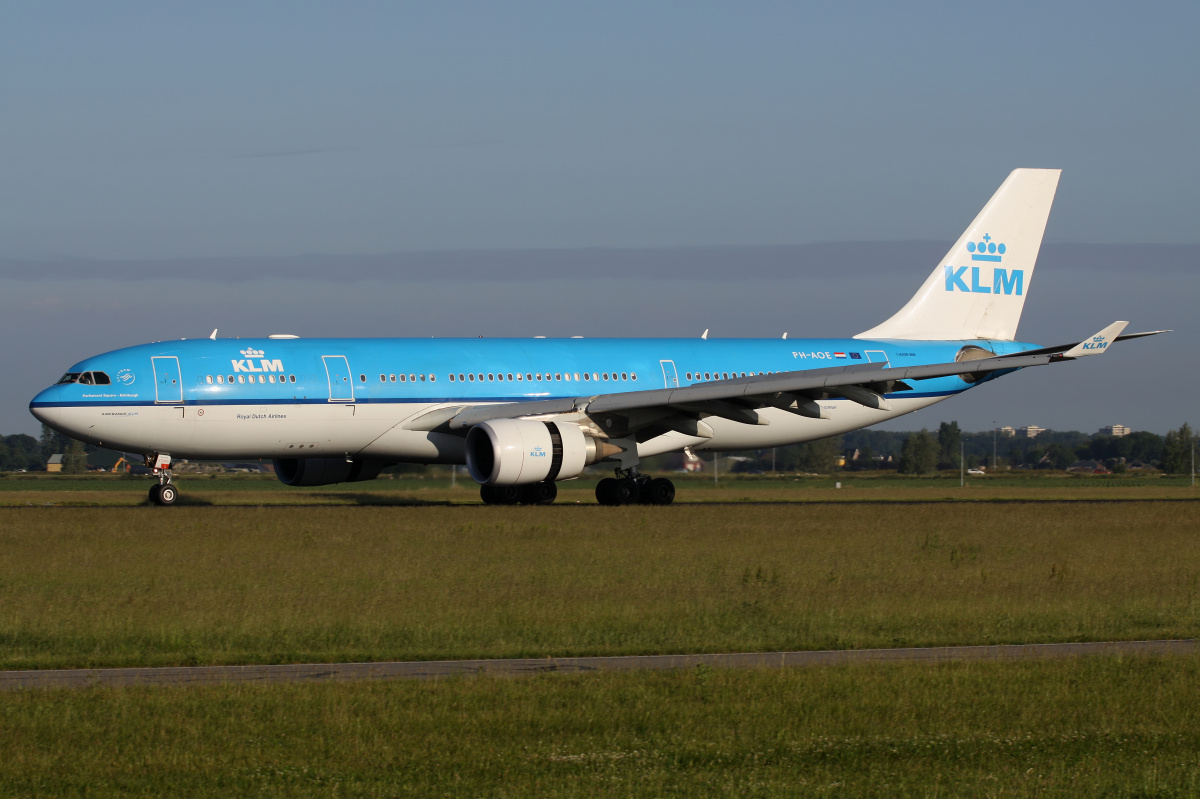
[(1004, 281)]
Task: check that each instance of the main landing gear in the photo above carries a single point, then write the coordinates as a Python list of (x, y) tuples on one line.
[(164, 493), (630, 487), (535, 494)]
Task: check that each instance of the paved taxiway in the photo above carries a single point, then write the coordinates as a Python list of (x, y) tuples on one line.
[(527, 667)]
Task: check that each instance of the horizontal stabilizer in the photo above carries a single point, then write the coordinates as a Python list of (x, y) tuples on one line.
[(1097, 343)]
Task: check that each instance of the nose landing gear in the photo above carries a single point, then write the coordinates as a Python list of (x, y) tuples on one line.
[(164, 493)]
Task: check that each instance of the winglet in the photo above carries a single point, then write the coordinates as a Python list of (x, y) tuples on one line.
[(1097, 343)]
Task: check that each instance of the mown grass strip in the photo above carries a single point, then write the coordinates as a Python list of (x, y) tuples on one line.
[(1081, 727), (193, 586)]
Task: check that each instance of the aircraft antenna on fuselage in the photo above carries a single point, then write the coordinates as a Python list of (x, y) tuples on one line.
[(214, 334)]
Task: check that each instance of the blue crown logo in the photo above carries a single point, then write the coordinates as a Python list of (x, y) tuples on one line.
[(986, 250)]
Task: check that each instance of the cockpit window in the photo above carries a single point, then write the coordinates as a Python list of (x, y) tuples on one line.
[(86, 378)]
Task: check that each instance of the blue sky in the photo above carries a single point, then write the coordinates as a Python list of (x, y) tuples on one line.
[(145, 133), (170, 129)]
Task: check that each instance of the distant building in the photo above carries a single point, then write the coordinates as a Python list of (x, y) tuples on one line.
[(1007, 431), (1116, 430), (55, 463), (1033, 431)]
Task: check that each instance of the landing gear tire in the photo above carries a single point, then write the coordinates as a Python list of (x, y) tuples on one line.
[(500, 495), (627, 491), (659, 491), (167, 494), (539, 494), (154, 492), (606, 491)]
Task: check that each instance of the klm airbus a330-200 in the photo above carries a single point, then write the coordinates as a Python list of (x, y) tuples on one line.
[(525, 413)]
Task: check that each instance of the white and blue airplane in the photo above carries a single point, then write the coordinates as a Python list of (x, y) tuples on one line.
[(525, 413)]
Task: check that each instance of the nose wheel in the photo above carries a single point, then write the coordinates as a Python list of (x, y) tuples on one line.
[(165, 493)]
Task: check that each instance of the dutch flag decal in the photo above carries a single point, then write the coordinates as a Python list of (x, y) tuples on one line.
[(839, 355)]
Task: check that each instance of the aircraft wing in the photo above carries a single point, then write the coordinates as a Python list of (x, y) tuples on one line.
[(739, 399)]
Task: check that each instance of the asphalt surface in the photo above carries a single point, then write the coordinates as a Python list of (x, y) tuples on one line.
[(528, 667)]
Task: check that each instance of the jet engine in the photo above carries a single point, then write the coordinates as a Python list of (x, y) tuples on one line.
[(325, 471), (508, 452)]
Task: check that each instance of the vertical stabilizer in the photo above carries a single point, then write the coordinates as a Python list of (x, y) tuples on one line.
[(978, 290)]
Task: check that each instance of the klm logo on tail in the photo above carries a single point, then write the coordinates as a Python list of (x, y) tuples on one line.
[(1003, 281)]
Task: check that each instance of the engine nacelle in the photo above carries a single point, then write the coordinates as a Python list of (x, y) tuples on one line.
[(509, 452), (325, 471)]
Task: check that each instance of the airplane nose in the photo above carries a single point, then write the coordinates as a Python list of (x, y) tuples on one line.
[(43, 407)]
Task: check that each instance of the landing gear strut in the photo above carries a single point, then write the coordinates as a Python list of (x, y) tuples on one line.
[(165, 493), (631, 487)]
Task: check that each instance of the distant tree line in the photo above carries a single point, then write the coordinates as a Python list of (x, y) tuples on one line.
[(26, 452), (924, 452)]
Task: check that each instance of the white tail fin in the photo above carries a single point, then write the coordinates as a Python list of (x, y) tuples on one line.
[(978, 290)]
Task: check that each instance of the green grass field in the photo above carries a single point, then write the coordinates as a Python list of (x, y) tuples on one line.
[(1087, 727), (420, 570), (201, 585)]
